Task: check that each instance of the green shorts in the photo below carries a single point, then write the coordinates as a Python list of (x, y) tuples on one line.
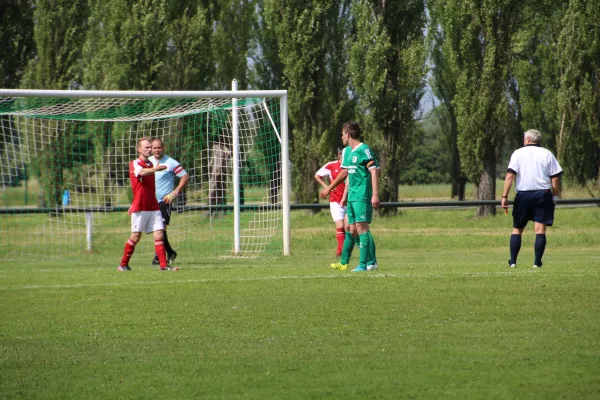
[(359, 211)]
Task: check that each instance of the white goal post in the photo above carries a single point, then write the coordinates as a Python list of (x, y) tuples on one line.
[(70, 148)]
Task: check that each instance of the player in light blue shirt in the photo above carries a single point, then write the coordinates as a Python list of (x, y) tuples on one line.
[(166, 191)]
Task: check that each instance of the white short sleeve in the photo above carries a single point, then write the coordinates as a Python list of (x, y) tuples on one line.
[(514, 163), (554, 166), (324, 171), (137, 168)]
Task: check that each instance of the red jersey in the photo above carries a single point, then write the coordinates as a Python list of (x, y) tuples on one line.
[(143, 187), (331, 170)]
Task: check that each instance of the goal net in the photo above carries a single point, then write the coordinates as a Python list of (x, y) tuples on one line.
[(64, 171)]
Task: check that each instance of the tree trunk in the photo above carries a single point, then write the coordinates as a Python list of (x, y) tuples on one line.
[(390, 172), (455, 175), (486, 190)]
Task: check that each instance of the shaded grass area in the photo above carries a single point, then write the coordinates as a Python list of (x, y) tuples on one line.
[(442, 318)]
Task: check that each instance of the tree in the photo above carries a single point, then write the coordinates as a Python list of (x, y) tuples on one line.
[(190, 61), (557, 79), (310, 36), (16, 35), (443, 83), (59, 33), (387, 63), (480, 34), (127, 53), (578, 97), (231, 43)]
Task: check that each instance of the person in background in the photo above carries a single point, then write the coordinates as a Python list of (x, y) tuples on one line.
[(166, 191), (361, 167), (337, 198), (537, 174), (144, 210)]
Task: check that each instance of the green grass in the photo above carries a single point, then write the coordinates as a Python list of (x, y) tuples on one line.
[(16, 197), (442, 318)]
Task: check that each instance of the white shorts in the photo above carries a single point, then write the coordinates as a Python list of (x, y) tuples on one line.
[(146, 221), (337, 211)]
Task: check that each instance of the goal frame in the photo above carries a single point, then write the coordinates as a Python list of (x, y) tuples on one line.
[(233, 94)]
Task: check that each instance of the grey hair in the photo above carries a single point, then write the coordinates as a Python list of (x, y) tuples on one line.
[(534, 135)]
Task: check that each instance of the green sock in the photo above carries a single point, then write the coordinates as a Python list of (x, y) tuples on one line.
[(372, 254), (364, 249), (347, 249)]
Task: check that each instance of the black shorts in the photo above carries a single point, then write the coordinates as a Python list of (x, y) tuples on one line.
[(534, 205), (165, 212)]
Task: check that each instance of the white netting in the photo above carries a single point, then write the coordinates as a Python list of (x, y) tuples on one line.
[(63, 159)]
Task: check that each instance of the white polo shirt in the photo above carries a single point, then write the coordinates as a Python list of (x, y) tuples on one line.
[(535, 167)]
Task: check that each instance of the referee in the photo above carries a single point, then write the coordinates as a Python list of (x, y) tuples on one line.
[(538, 187)]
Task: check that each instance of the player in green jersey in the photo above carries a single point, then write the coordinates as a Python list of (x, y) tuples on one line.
[(361, 167)]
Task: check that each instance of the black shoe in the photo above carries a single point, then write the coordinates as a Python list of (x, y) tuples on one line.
[(171, 258), (155, 261)]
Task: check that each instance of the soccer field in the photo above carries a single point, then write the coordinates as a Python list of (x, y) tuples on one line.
[(443, 317)]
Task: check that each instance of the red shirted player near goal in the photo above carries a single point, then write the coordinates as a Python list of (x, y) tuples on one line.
[(337, 198), (144, 210)]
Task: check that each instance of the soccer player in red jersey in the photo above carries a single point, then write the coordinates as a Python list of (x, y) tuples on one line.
[(144, 210), (337, 198)]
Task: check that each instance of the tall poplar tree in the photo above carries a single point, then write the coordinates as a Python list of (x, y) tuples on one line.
[(310, 36), (59, 32), (233, 24), (480, 33), (16, 36), (578, 98), (387, 62), (443, 83)]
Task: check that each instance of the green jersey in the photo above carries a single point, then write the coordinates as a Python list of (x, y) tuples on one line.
[(358, 162)]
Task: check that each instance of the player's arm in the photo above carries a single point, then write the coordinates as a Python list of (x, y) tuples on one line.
[(338, 179), (321, 181), (345, 195), (374, 183), (508, 181), (150, 171), (177, 191), (323, 171), (555, 188)]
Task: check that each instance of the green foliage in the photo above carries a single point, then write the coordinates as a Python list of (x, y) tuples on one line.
[(16, 36), (387, 66), (315, 78), (429, 161)]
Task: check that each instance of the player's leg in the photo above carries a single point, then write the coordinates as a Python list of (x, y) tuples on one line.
[(365, 245), (156, 226), (338, 214), (540, 244), (543, 217), (165, 212), (349, 240), (372, 258), (520, 215), (364, 212), (134, 238)]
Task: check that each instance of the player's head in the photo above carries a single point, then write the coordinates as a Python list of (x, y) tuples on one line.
[(534, 136), (352, 130), (158, 149), (144, 147)]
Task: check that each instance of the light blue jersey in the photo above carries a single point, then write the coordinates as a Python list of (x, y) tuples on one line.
[(165, 179)]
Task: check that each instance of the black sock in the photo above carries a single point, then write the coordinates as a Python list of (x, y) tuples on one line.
[(540, 246), (515, 246), (168, 247)]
